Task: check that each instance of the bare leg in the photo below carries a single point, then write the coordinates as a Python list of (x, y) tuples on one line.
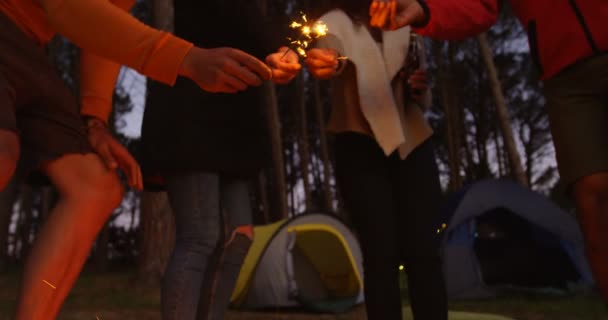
[(591, 193), (88, 194)]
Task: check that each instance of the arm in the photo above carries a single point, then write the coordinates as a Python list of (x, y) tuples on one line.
[(108, 31), (98, 79), (439, 19), (458, 19)]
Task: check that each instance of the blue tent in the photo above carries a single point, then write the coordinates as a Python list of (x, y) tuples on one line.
[(499, 232)]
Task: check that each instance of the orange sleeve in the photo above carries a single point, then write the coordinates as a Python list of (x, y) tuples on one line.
[(106, 30), (97, 83), (98, 79)]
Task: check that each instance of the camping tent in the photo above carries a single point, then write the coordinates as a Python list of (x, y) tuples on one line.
[(311, 261), (500, 233)]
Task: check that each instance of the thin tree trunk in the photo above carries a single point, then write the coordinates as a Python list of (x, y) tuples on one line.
[(276, 141), (502, 112), (328, 196), (156, 232), (156, 236), (263, 197), (303, 145), (451, 116)]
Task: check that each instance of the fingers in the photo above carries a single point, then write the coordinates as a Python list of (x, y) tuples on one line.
[(393, 15), (418, 80), (242, 74), (285, 65), (324, 57), (106, 155), (378, 17), (324, 73), (255, 65), (128, 165), (373, 8)]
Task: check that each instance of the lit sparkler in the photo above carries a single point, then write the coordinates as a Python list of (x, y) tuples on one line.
[(308, 33)]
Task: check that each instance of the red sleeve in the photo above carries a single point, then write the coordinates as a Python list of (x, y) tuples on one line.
[(458, 19)]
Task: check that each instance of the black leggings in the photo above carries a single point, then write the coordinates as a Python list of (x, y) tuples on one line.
[(393, 205)]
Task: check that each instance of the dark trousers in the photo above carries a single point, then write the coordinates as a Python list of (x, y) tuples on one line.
[(393, 205)]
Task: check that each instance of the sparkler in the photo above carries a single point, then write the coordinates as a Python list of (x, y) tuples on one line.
[(308, 33)]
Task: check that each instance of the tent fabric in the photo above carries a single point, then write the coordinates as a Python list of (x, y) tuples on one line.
[(461, 266), (312, 261)]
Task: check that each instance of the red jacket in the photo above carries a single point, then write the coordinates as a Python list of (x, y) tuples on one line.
[(560, 32)]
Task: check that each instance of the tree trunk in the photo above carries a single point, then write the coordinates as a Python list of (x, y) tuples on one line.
[(303, 145), (328, 196), (156, 232), (452, 118), (502, 112), (263, 197), (276, 142), (156, 236)]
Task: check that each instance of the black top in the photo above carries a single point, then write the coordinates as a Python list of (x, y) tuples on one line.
[(185, 128)]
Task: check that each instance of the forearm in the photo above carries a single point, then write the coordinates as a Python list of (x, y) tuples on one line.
[(97, 83), (458, 19), (108, 31)]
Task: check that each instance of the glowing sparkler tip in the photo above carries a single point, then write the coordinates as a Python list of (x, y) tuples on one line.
[(308, 34)]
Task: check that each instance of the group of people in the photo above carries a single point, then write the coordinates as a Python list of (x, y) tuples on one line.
[(203, 133)]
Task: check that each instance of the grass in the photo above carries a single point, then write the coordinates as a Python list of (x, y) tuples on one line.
[(114, 296)]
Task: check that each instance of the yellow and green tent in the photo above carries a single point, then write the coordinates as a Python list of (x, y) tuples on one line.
[(311, 261)]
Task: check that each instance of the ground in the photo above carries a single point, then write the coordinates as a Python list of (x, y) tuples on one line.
[(114, 296)]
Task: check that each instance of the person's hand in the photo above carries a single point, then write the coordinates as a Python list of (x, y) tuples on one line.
[(113, 154), (395, 14), (285, 65), (322, 63), (418, 84), (225, 70)]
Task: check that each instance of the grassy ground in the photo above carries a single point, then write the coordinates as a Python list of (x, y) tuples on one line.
[(116, 297)]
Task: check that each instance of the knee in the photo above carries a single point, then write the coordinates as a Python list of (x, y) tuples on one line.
[(100, 188), (200, 239)]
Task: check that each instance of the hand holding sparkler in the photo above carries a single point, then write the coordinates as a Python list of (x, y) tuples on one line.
[(285, 65), (395, 14), (225, 70), (323, 63)]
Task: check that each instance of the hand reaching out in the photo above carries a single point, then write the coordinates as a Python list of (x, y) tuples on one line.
[(225, 70), (322, 63), (285, 65), (395, 14)]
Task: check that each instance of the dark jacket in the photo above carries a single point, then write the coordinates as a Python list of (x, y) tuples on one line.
[(560, 32), (187, 129)]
